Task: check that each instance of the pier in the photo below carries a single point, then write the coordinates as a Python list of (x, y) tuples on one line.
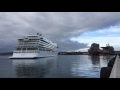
[(115, 73), (113, 68)]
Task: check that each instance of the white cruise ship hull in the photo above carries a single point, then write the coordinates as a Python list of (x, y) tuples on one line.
[(33, 55)]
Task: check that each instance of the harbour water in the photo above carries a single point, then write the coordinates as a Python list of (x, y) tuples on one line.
[(61, 66)]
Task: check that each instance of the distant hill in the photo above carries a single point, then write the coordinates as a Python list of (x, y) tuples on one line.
[(6, 53)]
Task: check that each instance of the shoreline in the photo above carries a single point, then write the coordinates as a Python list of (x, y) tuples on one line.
[(6, 53)]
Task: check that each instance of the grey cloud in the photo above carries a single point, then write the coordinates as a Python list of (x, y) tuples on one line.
[(56, 26), (68, 45)]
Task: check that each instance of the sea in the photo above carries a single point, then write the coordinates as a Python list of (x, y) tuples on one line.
[(61, 66)]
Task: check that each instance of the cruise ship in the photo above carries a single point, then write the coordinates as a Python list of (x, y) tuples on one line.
[(34, 46)]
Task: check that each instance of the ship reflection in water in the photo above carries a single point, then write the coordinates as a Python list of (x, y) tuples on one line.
[(95, 60), (87, 67), (34, 68), (96, 64)]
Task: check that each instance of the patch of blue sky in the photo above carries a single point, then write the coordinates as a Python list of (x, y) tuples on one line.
[(104, 36), (107, 32)]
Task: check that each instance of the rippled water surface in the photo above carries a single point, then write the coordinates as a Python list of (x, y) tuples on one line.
[(62, 66)]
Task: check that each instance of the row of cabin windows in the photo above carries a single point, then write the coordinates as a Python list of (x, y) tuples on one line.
[(31, 51), (34, 40), (45, 41), (40, 46), (26, 49), (29, 41), (41, 49), (21, 43), (45, 44), (42, 41), (33, 45), (28, 45), (26, 42)]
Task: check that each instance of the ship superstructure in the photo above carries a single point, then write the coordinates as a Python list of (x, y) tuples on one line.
[(94, 49), (108, 49), (35, 46)]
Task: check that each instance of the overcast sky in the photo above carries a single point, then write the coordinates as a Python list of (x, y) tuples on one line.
[(70, 30)]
